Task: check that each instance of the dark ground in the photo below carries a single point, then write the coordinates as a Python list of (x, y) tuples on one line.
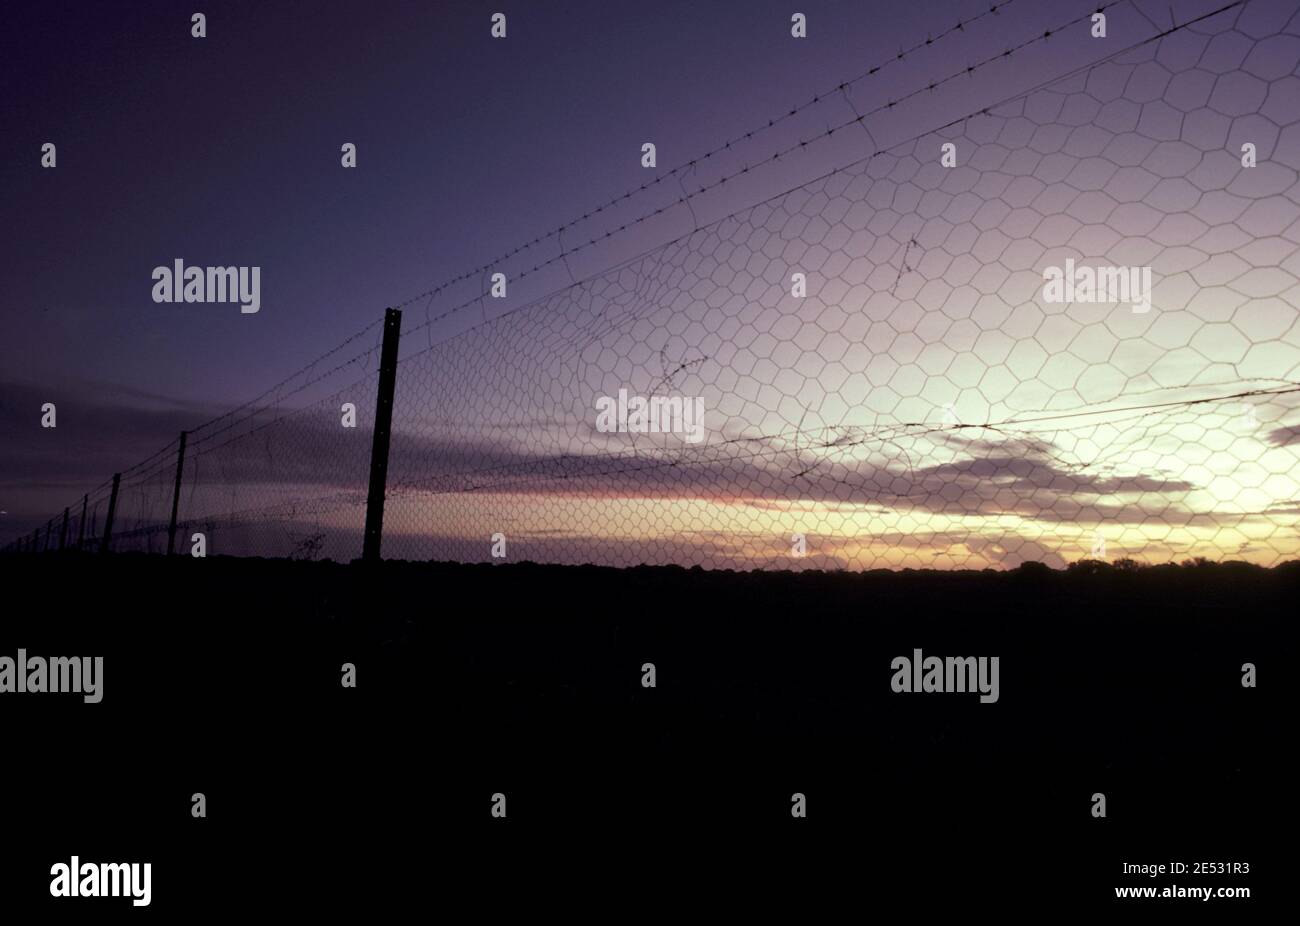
[(223, 676)]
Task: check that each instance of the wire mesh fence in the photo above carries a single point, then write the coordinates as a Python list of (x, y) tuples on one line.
[(871, 369)]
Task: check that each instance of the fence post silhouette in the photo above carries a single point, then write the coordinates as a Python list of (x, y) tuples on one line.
[(81, 527), (108, 519), (49, 529), (383, 426), (176, 496), (63, 534)]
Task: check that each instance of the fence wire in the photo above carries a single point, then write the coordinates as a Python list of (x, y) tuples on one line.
[(920, 403)]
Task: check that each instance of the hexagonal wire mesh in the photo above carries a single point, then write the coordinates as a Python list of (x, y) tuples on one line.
[(923, 405)]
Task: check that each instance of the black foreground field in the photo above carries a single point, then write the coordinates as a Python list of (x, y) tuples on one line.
[(222, 676)]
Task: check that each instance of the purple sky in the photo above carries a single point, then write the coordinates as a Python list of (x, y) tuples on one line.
[(225, 150)]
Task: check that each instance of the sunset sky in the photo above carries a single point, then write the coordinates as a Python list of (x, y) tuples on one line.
[(923, 405)]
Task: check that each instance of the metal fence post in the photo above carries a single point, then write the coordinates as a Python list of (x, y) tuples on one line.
[(81, 528), (176, 495), (108, 520), (383, 426), (63, 534)]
